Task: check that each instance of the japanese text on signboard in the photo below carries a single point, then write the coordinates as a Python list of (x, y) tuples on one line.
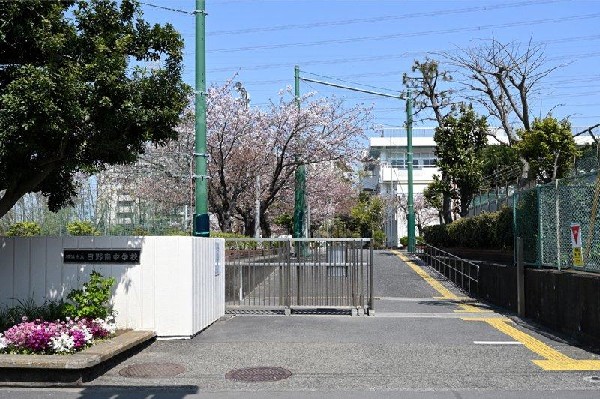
[(102, 255)]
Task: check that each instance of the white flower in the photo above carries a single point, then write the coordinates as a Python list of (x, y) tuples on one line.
[(63, 343), (3, 342), (107, 324), (87, 333)]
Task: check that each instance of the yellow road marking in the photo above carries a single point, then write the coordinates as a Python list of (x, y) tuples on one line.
[(553, 359), (444, 292)]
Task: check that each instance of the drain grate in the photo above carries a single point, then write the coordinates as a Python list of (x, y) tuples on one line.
[(152, 370), (258, 374)]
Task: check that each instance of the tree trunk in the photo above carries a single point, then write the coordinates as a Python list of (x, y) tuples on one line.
[(447, 208)]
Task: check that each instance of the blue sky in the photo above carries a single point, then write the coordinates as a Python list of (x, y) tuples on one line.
[(370, 44)]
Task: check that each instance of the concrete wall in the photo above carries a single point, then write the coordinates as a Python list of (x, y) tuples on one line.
[(177, 289), (565, 301)]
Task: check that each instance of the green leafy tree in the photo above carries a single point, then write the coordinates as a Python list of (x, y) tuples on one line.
[(500, 165), (77, 92), (459, 142), (434, 195), (286, 221), (549, 147), (368, 217)]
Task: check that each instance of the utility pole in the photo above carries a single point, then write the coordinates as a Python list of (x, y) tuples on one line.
[(201, 221), (300, 176), (257, 216), (409, 159)]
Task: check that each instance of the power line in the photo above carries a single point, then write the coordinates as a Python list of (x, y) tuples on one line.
[(168, 8), (379, 19), (410, 34), (393, 56)]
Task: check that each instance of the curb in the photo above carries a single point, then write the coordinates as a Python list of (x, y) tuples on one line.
[(47, 370)]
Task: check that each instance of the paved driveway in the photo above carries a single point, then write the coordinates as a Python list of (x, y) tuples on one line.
[(425, 341)]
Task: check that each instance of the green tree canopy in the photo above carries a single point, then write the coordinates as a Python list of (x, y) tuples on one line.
[(434, 195), (459, 142), (500, 165), (549, 147), (75, 94), (368, 214)]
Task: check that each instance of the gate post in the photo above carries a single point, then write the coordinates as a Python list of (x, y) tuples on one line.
[(287, 278), (371, 302), (520, 279)]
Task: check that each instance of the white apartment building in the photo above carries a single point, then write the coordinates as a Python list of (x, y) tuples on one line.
[(390, 170)]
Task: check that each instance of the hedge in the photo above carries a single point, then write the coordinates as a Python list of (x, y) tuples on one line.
[(492, 230)]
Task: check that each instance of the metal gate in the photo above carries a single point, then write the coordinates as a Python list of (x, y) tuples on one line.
[(298, 274)]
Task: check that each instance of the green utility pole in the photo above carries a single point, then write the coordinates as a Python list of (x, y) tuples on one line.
[(409, 159), (300, 176), (201, 221)]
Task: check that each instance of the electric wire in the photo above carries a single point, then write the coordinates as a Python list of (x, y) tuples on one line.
[(408, 34), (167, 8), (380, 18)]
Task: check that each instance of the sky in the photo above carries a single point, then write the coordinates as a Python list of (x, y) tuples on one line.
[(371, 44)]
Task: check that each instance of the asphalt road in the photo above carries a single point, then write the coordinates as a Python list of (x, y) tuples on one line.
[(416, 346)]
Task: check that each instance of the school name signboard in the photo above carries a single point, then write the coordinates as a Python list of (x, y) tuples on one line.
[(102, 256)]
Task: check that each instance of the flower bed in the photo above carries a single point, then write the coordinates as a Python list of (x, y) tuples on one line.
[(58, 337), (87, 317)]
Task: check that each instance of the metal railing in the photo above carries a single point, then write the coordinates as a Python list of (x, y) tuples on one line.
[(462, 273), (287, 273)]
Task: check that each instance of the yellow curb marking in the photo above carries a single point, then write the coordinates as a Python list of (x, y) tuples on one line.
[(553, 359), (446, 294)]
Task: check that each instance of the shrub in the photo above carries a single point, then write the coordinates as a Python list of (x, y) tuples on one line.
[(172, 231), (492, 230), (378, 239), (24, 229), (92, 300), (82, 228), (404, 240), (234, 245), (505, 228), (437, 235), (49, 310)]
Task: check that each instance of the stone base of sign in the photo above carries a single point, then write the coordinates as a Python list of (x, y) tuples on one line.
[(71, 370)]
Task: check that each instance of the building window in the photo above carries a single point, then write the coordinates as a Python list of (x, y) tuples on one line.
[(429, 163), (398, 163)]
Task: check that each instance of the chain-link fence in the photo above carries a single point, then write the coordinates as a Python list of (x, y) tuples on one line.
[(114, 204), (491, 200), (546, 215)]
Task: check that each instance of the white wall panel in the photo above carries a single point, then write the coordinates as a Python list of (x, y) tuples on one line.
[(173, 290)]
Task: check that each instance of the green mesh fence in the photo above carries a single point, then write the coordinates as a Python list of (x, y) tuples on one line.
[(544, 216)]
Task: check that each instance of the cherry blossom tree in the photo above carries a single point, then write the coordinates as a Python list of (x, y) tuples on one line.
[(320, 130), (245, 143)]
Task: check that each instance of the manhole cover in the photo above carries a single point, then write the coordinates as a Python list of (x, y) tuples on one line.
[(152, 370), (258, 374)]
